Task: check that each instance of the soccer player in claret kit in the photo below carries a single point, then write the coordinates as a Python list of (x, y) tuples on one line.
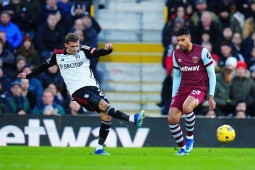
[(74, 65), (193, 74)]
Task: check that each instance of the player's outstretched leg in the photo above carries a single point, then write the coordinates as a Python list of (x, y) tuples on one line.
[(138, 118)]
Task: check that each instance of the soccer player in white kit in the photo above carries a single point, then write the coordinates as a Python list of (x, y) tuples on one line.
[(74, 66)]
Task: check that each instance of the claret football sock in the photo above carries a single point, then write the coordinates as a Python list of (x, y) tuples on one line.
[(190, 122), (177, 134)]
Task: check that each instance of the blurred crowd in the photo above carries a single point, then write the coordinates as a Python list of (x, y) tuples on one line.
[(227, 29), (30, 30)]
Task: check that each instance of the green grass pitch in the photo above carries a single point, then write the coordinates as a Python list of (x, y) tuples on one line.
[(57, 158)]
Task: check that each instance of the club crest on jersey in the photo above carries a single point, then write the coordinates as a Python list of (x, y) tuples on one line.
[(195, 59), (179, 60), (77, 57)]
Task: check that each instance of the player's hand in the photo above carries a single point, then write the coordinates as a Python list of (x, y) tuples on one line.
[(211, 102), (108, 46), (22, 75)]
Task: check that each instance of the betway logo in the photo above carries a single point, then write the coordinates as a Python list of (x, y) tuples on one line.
[(12, 134), (187, 68)]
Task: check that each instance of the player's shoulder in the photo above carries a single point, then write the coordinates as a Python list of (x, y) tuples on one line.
[(198, 47), (177, 51), (58, 51)]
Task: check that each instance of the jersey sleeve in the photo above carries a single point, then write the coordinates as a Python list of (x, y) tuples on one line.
[(177, 77), (44, 66), (208, 62), (92, 52), (206, 57)]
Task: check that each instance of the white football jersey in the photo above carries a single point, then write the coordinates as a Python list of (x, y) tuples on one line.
[(74, 68)]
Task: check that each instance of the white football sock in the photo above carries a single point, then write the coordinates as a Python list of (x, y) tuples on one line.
[(99, 147), (132, 118)]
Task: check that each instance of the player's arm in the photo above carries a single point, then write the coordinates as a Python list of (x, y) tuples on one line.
[(208, 62), (44, 66), (177, 77), (93, 52)]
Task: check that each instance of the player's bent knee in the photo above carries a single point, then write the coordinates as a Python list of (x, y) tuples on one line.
[(103, 105), (105, 117), (174, 117), (187, 109)]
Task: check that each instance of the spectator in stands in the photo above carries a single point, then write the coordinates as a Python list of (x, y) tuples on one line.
[(222, 92), (80, 33), (237, 45), (33, 7), (243, 87), (210, 114), (78, 25), (13, 33), (7, 45), (172, 4), (3, 95), (77, 11), (201, 6), (47, 106), (90, 23), (34, 83), (5, 81), (29, 52), (51, 75), (227, 20), (50, 7), (240, 110), (249, 25), (167, 60), (75, 108), (189, 10), (208, 25), (252, 68), (15, 102), (27, 93), (49, 37), (169, 31), (6, 60), (19, 14), (244, 7), (57, 93), (249, 44), (166, 93), (226, 53), (65, 6), (240, 114), (237, 14), (226, 35), (20, 64)]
